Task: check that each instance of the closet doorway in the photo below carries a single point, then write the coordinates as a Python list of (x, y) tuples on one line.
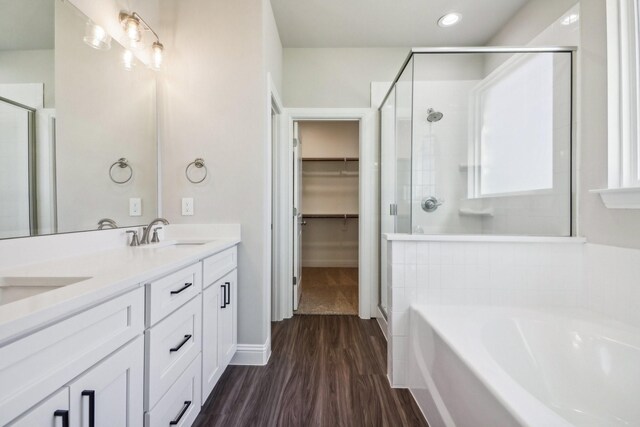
[(326, 201)]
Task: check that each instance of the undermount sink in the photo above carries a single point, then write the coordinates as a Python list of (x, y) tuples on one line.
[(17, 288)]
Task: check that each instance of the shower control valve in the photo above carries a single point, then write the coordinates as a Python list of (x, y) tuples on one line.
[(431, 203)]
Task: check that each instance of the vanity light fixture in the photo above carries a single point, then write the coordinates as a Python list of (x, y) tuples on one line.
[(156, 59), (449, 19), (133, 25), (96, 37)]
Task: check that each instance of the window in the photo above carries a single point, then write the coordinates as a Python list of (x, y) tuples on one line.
[(623, 56), (518, 113)]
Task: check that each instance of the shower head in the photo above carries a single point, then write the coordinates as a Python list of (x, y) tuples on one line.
[(433, 115)]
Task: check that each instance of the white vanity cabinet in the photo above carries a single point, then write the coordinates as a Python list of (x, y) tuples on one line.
[(53, 412), (219, 317), (38, 365), (110, 393), (148, 357)]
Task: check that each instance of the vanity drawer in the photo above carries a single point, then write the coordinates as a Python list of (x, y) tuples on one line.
[(167, 294), (181, 404), (171, 346), (218, 265), (35, 366)]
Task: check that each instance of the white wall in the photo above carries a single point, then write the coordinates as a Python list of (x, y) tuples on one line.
[(104, 112), (30, 66), (214, 105), (337, 77), (529, 21)]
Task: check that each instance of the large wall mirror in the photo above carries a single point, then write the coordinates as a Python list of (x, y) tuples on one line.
[(77, 124)]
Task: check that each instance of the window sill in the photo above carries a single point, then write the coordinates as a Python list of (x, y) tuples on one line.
[(620, 198)]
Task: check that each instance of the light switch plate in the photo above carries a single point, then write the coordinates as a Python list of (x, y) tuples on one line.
[(135, 206), (187, 206)]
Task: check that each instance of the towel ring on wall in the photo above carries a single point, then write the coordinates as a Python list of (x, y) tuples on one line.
[(122, 163), (198, 163)]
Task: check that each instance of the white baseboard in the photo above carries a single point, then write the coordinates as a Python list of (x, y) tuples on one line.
[(252, 354), (384, 326)]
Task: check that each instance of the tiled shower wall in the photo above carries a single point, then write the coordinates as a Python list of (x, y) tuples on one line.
[(486, 273)]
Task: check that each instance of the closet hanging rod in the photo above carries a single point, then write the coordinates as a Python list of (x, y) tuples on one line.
[(330, 159), (341, 173), (331, 216)]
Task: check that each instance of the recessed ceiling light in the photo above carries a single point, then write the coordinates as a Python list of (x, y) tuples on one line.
[(570, 19), (449, 19)]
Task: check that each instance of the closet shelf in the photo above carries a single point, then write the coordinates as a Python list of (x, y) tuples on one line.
[(330, 159), (328, 174), (336, 216)]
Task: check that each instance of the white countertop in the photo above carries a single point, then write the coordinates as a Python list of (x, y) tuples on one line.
[(480, 238), (112, 272)]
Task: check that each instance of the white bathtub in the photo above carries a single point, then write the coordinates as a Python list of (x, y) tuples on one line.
[(490, 366)]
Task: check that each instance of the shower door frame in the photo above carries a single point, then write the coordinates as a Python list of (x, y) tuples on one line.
[(31, 165), (572, 50)]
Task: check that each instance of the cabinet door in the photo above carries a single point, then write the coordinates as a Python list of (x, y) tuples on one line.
[(52, 412), (227, 316), (211, 302), (110, 393)]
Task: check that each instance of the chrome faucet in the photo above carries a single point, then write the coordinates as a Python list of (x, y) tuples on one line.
[(144, 240), (106, 223)]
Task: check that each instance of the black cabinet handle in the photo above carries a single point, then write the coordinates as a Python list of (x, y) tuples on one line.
[(187, 403), (184, 341), (64, 414), (227, 301), (92, 406), (224, 296), (186, 285)]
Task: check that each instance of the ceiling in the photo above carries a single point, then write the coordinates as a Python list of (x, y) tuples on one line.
[(389, 23), (26, 24)]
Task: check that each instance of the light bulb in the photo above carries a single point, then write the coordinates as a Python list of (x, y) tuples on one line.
[(449, 19), (96, 37), (128, 60), (131, 26), (156, 59)]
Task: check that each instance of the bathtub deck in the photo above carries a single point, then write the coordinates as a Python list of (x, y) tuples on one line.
[(324, 371)]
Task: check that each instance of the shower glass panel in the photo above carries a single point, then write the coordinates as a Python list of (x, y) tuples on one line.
[(482, 143), (404, 113), (16, 166)]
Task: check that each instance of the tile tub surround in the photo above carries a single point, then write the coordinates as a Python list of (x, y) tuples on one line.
[(483, 270), (112, 270)]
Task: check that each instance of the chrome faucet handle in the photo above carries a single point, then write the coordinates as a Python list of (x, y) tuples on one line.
[(155, 238), (431, 203), (134, 238)]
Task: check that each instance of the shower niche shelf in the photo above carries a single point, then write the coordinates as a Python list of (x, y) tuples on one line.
[(330, 159)]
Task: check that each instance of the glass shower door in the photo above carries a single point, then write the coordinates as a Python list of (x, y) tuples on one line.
[(16, 168)]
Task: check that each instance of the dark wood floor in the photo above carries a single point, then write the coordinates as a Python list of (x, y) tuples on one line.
[(324, 371)]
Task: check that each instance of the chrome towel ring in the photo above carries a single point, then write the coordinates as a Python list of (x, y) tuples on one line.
[(199, 164), (122, 163)]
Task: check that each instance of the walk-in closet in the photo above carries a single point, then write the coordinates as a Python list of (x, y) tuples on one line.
[(329, 201)]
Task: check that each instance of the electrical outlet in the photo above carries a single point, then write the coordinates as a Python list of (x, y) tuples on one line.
[(135, 206), (187, 206)]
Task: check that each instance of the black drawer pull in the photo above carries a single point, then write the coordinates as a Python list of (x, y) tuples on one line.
[(186, 285), (92, 406), (64, 414), (227, 294), (224, 295), (187, 403), (184, 341)]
